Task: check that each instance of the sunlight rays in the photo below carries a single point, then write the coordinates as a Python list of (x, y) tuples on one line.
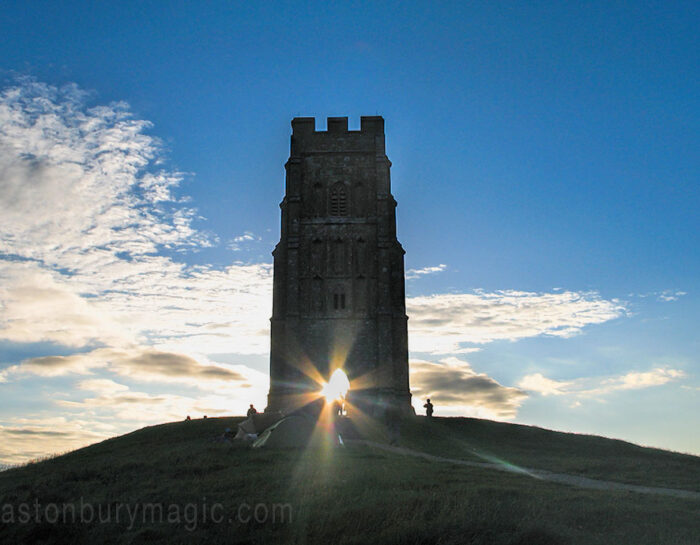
[(337, 386)]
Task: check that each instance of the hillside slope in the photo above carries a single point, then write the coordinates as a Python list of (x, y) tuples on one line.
[(177, 483)]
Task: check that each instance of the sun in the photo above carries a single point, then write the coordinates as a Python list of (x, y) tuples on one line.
[(337, 386)]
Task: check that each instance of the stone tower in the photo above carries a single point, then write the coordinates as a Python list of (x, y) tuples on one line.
[(339, 296)]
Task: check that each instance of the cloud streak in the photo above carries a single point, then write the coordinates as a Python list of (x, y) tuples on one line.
[(598, 387), (145, 364), (443, 323), (417, 273)]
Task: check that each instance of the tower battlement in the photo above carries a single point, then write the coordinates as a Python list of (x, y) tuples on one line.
[(373, 124), (337, 137)]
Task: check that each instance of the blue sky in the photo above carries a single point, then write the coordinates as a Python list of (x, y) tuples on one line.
[(544, 161)]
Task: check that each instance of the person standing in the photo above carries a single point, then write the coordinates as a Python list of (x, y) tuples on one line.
[(428, 409)]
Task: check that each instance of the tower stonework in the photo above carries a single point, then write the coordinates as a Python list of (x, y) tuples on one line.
[(339, 295)]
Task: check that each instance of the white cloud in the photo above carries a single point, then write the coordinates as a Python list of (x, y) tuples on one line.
[(543, 385), (635, 380), (101, 385), (86, 209), (417, 273), (239, 241), (597, 387), (38, 306), (442, 323), (76, 181)]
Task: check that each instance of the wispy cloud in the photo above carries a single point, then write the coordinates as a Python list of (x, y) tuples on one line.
[(442, 323), (417, 273), (601, 386), (238, 242), (81, 186), (665, 296), (670, 295), (145, 364), (86, 211), (540, 384), (42, 305)]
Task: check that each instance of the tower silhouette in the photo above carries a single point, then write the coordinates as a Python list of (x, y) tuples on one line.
[(339, 295)]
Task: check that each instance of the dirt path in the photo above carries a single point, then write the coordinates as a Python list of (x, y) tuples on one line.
[(572, 480)]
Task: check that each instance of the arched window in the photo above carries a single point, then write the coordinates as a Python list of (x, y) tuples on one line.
[(339, 200)]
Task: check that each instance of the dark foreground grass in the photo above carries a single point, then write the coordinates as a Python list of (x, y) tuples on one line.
[(528, 446), (326, 496)]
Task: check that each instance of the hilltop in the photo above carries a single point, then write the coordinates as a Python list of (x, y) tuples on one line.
[(213, 491)]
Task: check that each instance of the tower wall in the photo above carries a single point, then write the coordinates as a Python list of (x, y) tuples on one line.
[(339, 297)]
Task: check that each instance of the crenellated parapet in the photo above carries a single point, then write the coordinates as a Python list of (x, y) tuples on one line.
[(337, 138), (369, 125)]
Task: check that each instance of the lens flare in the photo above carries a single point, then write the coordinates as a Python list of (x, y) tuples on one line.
[(337, 386)]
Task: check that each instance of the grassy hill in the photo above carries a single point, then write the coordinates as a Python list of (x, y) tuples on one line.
[(176, 483)]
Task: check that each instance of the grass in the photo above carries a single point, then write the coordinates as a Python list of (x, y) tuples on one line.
[(356, 494), (527, 446)]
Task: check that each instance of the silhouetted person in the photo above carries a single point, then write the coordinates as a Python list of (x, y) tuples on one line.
[(337, 408), (251, 411), (188, 418), (428, 409)]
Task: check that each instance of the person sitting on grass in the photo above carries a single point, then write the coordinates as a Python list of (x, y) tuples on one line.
[(428, 409)]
